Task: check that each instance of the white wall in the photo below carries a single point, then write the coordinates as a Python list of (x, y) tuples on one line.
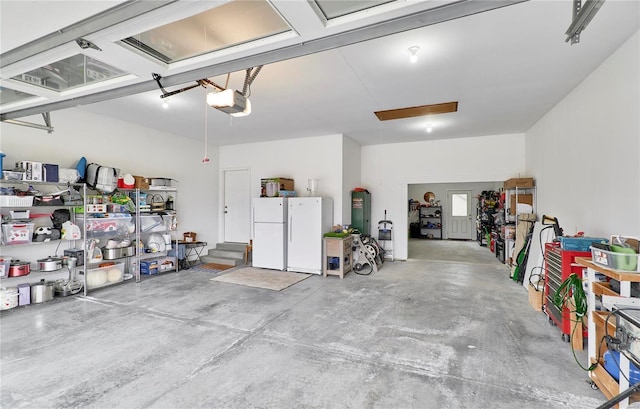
[(298, 159), (584, 153), (132, 149), (387, 170), (351, 165)]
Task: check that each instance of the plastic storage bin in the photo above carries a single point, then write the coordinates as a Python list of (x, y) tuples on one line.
[(611, 365), (625, 262), (117, 223), (20, 214), (104, 276), (579, 243), (16, 201), (5, 263), (17, 233)]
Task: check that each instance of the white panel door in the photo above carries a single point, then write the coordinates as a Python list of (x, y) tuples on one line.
[(459, 223), (237, 206)]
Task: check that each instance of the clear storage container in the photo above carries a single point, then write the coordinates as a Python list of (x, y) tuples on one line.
[(623, 262), (17, 233)]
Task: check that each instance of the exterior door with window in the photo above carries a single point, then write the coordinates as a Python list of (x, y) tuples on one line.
[(460, 223)]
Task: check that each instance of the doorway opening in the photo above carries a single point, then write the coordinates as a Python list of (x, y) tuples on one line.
[(457, 205)]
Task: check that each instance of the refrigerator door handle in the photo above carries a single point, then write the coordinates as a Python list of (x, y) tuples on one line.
[(290, 227)]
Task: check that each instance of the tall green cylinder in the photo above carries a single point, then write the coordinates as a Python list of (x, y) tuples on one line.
[(361, 211)]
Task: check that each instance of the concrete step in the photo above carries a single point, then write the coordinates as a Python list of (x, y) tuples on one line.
[(222, 260), (226, 253), (232, 246)]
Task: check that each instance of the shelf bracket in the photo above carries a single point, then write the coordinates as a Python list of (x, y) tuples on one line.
[(46, 116)]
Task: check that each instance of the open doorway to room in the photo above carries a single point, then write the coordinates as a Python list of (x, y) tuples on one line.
[(441, 212)]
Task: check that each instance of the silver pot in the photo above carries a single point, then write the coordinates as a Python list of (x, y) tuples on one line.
[(41, 292), (112, 254), (50, 264)]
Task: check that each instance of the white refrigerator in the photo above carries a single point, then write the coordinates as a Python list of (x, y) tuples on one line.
[(270, 232), (309, 218)]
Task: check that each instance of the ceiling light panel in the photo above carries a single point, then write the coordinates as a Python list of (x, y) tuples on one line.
[(231, 24), (334, 9), (72, 72)]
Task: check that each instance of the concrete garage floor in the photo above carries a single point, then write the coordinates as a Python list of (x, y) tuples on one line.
[(417, 334)]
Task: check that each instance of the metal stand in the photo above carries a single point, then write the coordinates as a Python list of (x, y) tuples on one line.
[(193, 249), (385, 235)]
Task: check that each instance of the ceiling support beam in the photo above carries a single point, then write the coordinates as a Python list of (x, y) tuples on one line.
[(451, 11), (118, 14)]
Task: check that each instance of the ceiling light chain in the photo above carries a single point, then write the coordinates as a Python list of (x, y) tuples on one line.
[(206, 129)]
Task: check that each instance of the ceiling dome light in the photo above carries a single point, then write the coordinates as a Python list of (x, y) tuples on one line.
[(413, 51), (165, 103), (429, 128)]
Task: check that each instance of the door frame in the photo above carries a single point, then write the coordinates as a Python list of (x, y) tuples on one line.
[(469, 192), (222, 200)]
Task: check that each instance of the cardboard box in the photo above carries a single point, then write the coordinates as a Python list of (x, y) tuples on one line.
[(535, 298), (149, 267), (32, 171), (285, 184), (518, 183), (524, 198), (141, 182)]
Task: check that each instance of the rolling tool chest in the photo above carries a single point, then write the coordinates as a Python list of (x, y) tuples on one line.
[(560, 264)]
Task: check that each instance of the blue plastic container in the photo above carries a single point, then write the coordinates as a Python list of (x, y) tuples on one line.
[(579, 243), (611, 363), (2, 155)]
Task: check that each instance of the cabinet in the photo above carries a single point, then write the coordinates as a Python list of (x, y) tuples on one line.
[(32, 214), (601, 323), (338, 258), (361, 211), (559, 265), (430, 222)]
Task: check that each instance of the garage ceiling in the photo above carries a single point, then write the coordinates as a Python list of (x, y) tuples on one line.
[(505, 63)]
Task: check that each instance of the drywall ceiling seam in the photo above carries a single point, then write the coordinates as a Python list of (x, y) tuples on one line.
[(424, 18)]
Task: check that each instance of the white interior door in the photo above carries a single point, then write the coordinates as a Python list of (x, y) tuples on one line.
[(460, 223), (237, 206)]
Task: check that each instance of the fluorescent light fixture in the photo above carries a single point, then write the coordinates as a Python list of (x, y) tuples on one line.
[(413, 51), (229, 101)]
